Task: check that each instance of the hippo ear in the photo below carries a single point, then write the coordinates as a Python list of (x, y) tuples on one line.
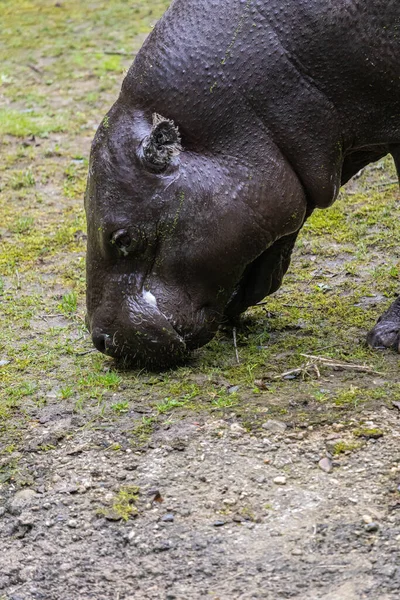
[(164, 142)]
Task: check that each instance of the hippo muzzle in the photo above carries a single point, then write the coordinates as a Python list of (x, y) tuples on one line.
[(136, 332)]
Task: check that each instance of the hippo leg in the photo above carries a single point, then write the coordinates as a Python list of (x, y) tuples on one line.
[(386, 333)]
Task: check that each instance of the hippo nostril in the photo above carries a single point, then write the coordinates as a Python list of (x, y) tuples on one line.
[(100, 341)]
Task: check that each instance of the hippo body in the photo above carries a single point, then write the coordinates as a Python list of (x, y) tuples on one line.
[(236, 120)]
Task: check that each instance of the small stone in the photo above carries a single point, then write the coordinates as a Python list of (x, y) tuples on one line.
[(229, 501), (332, 444), (325, 465), (297, 552), (237, 429), (112, 515), (4, 362), (21, 500), (371, 527), (168, 518), (367, 519), (238, 518), (280, 480), (218, 523), (274, 426), (132, 537), (72, 523), (26, 518), (76, 449), (338, 426)]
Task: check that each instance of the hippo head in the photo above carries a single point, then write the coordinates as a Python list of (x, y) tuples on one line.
[(171, 229)]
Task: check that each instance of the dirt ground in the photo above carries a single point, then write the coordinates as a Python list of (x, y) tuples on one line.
[(274, 474)]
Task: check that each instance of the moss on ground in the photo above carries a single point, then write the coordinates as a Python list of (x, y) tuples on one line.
[(57, 82)]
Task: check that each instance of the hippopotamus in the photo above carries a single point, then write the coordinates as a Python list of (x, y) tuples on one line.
[(236, 121)]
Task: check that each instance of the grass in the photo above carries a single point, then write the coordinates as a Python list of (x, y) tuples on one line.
[(23, 124), (57, 85)]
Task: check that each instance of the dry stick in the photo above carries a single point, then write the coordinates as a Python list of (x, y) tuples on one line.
[(118, 53), (235, 346), (329, 362), (301, 370), (386, 183), (34, 68)]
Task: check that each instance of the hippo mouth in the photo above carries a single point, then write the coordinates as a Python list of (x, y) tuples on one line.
[(142, 334), (142, 347)]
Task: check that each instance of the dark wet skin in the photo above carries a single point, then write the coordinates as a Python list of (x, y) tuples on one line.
[(232, 126)]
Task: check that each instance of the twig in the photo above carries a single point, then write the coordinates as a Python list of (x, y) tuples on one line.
[(84, 353), (329, 362), (235, 346), (311, 367), (305, 371), (387, 183), (34, 68), (118, 53)]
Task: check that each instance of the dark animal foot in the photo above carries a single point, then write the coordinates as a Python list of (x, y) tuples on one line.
[(386, 333)]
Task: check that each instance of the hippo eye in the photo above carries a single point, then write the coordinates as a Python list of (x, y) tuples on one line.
[(122, 240)]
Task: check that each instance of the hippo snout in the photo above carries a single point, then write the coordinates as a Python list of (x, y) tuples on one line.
[(143, 337)]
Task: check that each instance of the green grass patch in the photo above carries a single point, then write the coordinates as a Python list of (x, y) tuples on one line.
[(23, 124)]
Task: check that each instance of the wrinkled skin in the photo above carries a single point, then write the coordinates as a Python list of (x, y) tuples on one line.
[(267, 107)]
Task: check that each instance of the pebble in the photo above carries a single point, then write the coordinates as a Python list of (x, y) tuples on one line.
[(218, 523), (325, 465), (367, 519), (332, 436), (297, 552), (331, 444), (338, 426), (112, 515), (274, 426), (21, 500), (237, 429), (168, 518), (229, 501), (371, 527), (72, 523), (280, 480), (26, 518)]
